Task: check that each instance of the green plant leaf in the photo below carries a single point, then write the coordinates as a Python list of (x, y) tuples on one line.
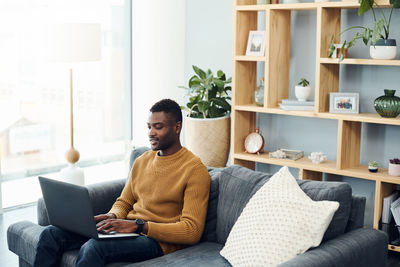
[(203, 106), (223, 103), (365, 5), (395, 3), (367, 35), (221, 75), (194, 80), (199, 72), (377, 31), (219, 83), (331, 50)]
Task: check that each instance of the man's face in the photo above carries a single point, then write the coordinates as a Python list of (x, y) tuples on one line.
[(163, 131)]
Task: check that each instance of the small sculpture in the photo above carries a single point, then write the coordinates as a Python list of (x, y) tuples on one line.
[(317, 157)]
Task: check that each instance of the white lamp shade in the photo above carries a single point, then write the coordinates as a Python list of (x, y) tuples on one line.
[(74, 42)]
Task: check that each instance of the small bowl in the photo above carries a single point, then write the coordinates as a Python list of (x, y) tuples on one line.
[(372, 169)]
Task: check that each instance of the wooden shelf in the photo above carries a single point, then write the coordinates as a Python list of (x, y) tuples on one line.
[(250, 58), (361, 117), (360, 61), (394, 248), (326, 167), (278, 26)]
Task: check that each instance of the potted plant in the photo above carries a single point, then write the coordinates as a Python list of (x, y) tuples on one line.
[(394, 167), (302, 90), (381, 46), (373, 166), (207, 126)]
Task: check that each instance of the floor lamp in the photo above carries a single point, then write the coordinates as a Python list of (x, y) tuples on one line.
[(73, 43)]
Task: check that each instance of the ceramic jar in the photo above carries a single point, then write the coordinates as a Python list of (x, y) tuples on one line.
[(383, 49), (302, 92), (394, 169), (388, 105)]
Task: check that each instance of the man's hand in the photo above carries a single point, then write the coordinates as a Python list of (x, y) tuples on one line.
[(119, 225), (102, 217)]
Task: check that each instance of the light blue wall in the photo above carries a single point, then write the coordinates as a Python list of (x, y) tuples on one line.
[(209, 44)]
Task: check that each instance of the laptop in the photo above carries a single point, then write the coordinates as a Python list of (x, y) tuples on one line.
[(68, 207)]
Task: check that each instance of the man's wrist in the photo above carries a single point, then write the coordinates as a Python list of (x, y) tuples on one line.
[(145, 228)]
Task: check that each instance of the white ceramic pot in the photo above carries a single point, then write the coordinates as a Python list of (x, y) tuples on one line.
[(384, 49), (394, 169), (302, 93)]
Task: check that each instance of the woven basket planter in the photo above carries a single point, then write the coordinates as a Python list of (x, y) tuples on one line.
[(209, 139)]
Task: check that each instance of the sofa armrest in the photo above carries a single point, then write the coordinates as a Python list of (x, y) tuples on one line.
[(22, 238), (102, 197), (361, 247)]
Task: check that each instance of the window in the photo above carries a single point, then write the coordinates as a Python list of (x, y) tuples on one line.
[(34, 102)]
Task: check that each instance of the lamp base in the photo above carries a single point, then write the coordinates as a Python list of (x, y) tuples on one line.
[(73, 174)]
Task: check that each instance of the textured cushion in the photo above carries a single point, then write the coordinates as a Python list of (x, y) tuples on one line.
[(236, 186), (334, 191), (279, 222)]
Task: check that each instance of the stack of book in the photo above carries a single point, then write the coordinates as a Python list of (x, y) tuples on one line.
[(387, 203), (395, 208), (288, 104)]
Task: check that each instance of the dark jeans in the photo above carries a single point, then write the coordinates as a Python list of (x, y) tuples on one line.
[(53, 242)]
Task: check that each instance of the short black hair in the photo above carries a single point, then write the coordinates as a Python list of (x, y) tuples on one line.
[(168, 106)]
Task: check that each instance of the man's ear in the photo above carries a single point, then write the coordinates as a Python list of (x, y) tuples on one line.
[(178, 127)]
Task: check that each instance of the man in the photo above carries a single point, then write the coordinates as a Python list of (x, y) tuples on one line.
[(165, 200)]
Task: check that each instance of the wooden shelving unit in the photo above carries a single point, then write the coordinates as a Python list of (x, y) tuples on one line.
[(276, 88)]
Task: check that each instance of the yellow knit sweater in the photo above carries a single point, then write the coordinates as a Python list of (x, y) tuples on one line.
[(171, 194)]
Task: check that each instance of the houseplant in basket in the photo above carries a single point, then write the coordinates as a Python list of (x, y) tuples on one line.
[(381, 46), (207, 126), (394, 167)]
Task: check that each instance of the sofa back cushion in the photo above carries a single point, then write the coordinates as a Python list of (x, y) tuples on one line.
[(236, 186), (209, 233), (333, 191)]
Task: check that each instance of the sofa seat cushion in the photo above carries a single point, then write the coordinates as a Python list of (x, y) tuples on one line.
[(279, 222), (202, 254)]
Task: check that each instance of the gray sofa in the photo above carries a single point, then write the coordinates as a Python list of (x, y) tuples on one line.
[(345, 243)]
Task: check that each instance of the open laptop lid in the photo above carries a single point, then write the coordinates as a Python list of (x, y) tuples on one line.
[(68, 206)]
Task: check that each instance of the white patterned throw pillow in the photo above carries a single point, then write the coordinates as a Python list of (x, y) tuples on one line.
[(279, 222)]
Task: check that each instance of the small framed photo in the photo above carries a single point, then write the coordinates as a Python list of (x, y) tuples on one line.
[(256, 44), (344, 103)]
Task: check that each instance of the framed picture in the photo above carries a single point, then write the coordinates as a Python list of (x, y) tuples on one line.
[(256, 44), (343, 103)]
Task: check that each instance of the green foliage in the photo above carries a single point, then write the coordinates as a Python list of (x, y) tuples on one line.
[(373, 164), (208, 96), (303, 82), (379, 31)]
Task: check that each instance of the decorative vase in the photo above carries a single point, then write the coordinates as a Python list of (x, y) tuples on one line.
[(209, 139), (388, 105), (383, 49), (394, 169), (302, 92), (259, 94)]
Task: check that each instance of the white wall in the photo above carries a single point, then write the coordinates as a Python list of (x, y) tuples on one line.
[(158, 40)]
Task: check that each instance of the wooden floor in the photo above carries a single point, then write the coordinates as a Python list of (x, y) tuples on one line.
[(9, 259)]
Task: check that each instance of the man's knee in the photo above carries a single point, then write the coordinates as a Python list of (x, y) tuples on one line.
[(91, 247)]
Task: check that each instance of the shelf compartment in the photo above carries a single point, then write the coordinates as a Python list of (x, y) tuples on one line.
[(360, 61), (246, 21), (277, 80), (244, 82)]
